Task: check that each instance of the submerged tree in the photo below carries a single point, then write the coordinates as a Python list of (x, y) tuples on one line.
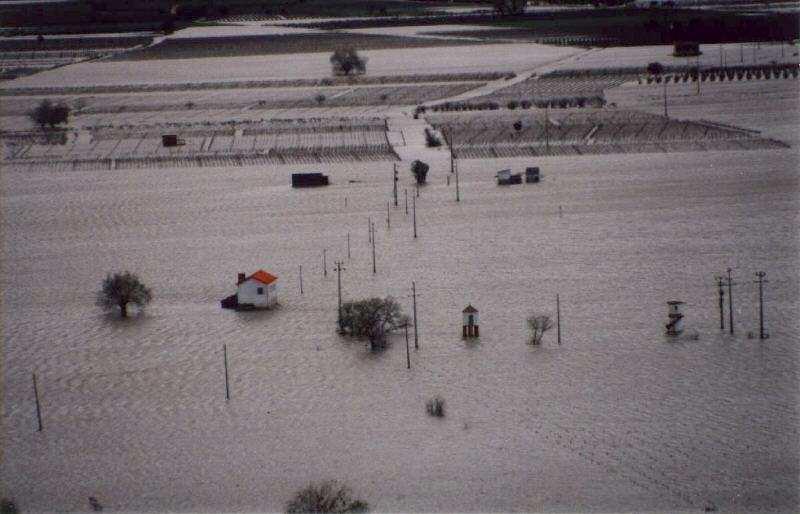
[(347, 60), (47, 113), (538, 325), (372, 318), (325, 497), (120, 289), (420, 171)]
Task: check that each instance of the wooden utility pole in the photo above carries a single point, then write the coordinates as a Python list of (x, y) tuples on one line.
[(38, 406), (225, 361), (405, 192), (730, 299), (761, 281), (388, 213), (324, 262), (301, 279), (408, 353), (348, 246), (720, 283), (558, 319), (458, 191), (339, 270), (394, 180), (373, 250), (414, 297), (414, 205), (369, 228)]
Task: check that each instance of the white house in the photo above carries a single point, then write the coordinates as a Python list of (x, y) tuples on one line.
[(259, 290)]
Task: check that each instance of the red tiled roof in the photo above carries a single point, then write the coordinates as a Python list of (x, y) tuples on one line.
[(263, 277), (470, 309)]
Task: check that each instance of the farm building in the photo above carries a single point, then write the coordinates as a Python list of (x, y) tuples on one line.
[(258, 291)]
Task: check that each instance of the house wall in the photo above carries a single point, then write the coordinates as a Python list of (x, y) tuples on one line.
[(247, 293)]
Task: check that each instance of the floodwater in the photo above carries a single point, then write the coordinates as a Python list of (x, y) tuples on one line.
[(618, 417)]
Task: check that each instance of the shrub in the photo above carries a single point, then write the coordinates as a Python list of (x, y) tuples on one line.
[(435, 407), (512, 104), (325, 497), (320, 98), (525, 104), (347, 60), (420, 171), (518, 125), (655, 68)]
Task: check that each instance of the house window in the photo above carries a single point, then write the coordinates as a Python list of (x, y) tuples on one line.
[(260, 290)]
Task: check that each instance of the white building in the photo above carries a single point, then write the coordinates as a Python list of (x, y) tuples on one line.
[(259, 290)]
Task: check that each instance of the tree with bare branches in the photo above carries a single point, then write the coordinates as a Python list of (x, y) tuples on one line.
[(325, 497), (538, 325)]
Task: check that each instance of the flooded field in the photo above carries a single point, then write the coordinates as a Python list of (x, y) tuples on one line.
[(616, 418)]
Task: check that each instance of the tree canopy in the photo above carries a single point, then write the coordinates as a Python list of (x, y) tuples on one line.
[(420, 171), (372, 318), (538, 325), (120, 289), (47, 113), (347, 60)]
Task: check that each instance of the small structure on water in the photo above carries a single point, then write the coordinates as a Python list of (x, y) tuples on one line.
[(505, 178), (675, 325), (258, 291), (470, 323), (532, 175), (309, 180), (170, 140)]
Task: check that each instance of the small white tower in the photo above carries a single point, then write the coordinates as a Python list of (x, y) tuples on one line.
[(675, 325), (470, 324)]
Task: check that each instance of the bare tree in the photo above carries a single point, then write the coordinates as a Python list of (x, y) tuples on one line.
[(538, 325), (347, 60), (120, 289), (325, 497)]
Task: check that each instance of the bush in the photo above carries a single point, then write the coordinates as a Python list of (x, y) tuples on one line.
[(525, 104), (320, 98), (512, 104), (431, 139), (325, 497), (435, 407), (46, 113), (420, 171), (347, 60), (538, 325), (655, 68)]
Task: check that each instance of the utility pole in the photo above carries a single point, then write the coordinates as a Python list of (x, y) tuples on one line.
[(458, 191), (761, 281), (225, 361), (741, 53), (730, 299), (408, 353), (324, 262), (721, 303), (369, 228), (414, 205), (405, 192), (558, 320), (373, 250), (395, 184), (348, 246), (339, 270), (38, 407), (388, 207), (301, 279), (450, 144), (414, 296)]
